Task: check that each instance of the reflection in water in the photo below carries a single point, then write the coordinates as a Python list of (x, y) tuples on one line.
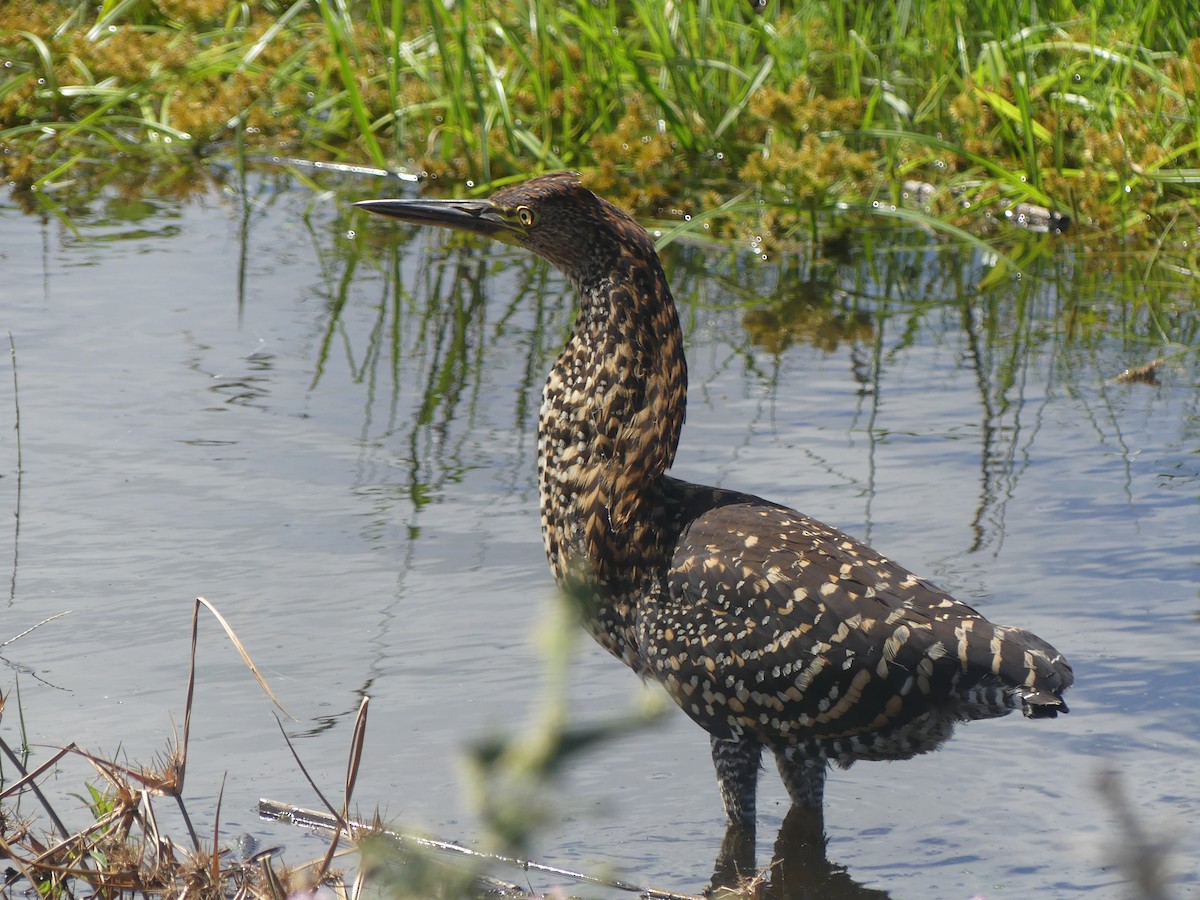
[(808, 307), (425, 358), (876, 301), (880, 301), (799, 869)]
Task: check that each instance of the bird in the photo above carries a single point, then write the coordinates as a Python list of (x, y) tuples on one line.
[(774, 632)]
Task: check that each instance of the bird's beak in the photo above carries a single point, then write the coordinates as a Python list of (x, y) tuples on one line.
[(475, 216)]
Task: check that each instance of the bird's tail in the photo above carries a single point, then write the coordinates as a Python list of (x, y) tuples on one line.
[(1010, 668)]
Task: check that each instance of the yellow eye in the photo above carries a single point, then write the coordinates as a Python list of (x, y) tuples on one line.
[(525, 215)]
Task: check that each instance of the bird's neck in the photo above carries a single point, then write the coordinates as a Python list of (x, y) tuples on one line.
[(612, 410)]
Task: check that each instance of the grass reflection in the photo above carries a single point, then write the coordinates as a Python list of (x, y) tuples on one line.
[(442, 307)]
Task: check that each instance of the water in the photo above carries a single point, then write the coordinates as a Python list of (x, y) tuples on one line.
[(324, 425)]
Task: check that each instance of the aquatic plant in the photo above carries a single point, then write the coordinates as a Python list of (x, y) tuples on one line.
[(1087, 114)]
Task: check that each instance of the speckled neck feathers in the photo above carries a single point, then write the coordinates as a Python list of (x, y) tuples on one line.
[(612, 408)]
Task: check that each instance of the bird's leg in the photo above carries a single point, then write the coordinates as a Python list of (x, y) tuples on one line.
[(737, 762), (804, 779)]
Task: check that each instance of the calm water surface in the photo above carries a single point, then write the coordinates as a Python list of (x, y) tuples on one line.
[(324, 425)]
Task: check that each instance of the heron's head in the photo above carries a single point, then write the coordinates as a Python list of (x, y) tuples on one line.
[(554, 216)]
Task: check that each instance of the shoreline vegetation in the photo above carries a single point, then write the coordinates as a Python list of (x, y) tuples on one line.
[(727, 118), (129, 833)]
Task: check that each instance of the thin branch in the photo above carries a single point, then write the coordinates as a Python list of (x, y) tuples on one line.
[(311, 818), (44, 621)]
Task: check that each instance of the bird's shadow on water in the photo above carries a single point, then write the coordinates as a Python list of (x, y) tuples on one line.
[(799, 868)]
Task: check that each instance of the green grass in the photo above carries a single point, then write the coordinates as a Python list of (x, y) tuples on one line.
[(807, 109)]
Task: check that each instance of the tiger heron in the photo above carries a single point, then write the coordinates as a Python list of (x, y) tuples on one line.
[(768, 628)]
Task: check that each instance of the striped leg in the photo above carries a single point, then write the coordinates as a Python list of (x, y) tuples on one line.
[(804, 778), (737, 762)]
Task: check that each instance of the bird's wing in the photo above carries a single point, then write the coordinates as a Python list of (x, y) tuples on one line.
[(775, 624)]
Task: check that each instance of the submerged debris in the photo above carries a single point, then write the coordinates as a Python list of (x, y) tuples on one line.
[(1026, 216), (1147, 374)]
